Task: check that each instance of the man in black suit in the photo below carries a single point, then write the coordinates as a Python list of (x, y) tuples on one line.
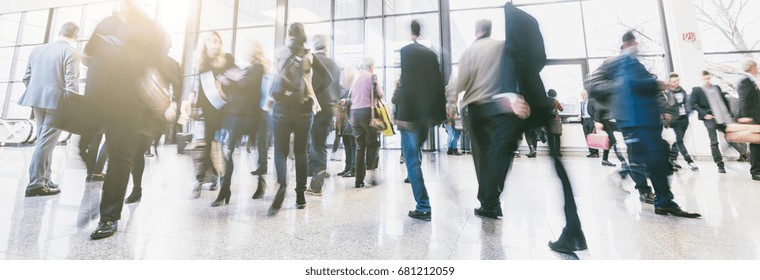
[(523, 58), (326, 82), (587, 120), (421, 105), (712, 108), (749, 111)]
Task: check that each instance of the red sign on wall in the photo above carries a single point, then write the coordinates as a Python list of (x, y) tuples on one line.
[(689, 36)]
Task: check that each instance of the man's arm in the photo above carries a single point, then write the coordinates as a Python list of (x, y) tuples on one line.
[(72, 72)]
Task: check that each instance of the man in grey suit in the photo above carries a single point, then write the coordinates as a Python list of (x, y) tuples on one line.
[(52, 70)]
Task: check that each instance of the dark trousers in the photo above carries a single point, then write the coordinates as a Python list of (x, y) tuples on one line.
[(89, 145), (318, 148), (100, 163), (494, 141), (349, 147), (680, 125), (289, 120), (588, 128), (531, 138), (554, 144), (236, 126), (260, 134), (754, 159), (212, 121), (712, 132), (143, 145), (609, 128), (122, 141), (648, 151), (367, 143)]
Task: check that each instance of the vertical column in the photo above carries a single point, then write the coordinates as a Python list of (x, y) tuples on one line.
[(686, 52), (192, 27), (281, 21), (688, 62)]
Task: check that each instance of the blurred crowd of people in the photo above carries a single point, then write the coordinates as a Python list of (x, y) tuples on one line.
[(134, 92)]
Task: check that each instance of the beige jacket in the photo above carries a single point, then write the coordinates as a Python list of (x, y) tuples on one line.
[(478, 77)]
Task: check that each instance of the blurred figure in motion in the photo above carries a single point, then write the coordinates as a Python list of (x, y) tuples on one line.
[(638, 115), (421, 105), (122, 49), (343, 123), (295, 104), (587, 120), (677, 100), (211, 60), (364, 90), (51, 71), (326, 83), (554, 129), (171, 77), (713, 109), (750, 110)]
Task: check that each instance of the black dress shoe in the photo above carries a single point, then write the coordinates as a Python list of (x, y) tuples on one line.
[(342, 173), (359, 185), (675, 211), (756, 177), (420, 215), (647, 197), (105, 229), (532, 154), (349, 174), (133, 197), (493, 214), (607, 163), (569, 242), (42, 191)]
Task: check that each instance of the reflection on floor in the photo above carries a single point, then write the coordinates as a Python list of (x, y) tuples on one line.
[(371, 223)]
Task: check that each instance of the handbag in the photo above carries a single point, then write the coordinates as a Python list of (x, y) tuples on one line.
[(599, 141), (743, 133), (76, 115), (376, 122)]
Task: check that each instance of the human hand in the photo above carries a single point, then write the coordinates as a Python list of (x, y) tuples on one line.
[(599, 126), (667, 116), (709, 117), (521, 108), (746, 120)]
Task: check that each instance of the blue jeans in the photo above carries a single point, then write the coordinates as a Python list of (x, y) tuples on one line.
[(296, 120), (318, 148), (411, 141), (453, 136)]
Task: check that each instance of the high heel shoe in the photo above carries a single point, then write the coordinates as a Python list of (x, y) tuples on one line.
[(278, 198), (260, 189), (223, 198)]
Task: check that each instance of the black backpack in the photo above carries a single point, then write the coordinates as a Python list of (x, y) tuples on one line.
[(289, 86)]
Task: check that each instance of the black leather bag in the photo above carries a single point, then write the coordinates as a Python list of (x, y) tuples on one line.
[(76, 115)]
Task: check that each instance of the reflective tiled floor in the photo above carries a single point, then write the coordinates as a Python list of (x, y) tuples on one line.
[(371, 223)]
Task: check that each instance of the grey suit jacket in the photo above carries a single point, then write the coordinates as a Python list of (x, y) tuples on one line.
[(52, 70)]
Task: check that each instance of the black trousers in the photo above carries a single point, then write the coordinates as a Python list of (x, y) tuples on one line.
[(237, 126), (122, 138), (89, 145), (260, 134), (367, 143), (754, 159), (610, 128), (712, 132), (494, 141), (680, 125), (143, 145), (588, 128)]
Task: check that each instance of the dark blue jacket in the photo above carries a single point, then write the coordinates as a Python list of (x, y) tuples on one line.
[(636, 100)]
